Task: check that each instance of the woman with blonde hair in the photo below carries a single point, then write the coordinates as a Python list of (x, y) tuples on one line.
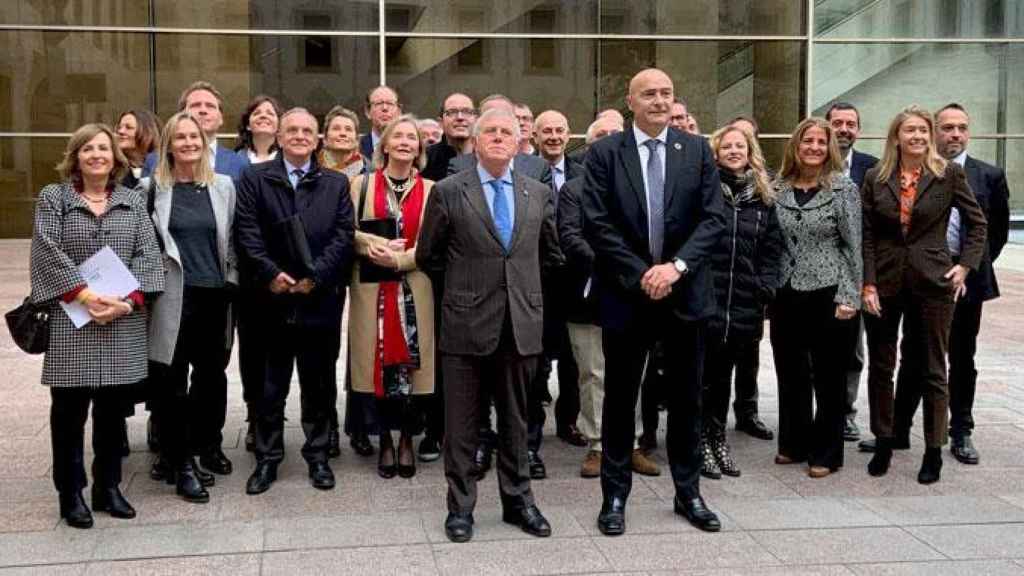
[(744, 269), (391, 316), (193, 211), (819, 293), (99, 362), (910, 275)]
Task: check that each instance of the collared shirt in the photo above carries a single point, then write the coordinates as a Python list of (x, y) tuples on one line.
[(645, 153), (558, 173), (953, 231), (506, 183), (290, 168), (374, 138), (848, 162)]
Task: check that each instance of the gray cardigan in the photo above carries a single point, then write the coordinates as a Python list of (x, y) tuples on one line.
[(823, 240), (165, 315)]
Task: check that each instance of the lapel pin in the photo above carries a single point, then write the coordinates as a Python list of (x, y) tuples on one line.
[(678, 146)]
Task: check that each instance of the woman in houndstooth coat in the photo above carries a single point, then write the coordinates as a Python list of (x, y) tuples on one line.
[(94, 363)]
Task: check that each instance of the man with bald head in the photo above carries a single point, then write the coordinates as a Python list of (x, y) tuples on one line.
[(294, 232), (653, 213)]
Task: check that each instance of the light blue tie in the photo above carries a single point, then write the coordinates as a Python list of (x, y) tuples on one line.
[(502, 219), (655, 199)]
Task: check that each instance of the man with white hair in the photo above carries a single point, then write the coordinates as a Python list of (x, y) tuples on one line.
[(489, 231)]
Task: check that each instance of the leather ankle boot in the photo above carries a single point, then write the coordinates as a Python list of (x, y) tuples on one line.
[(879, 464), (74, 510), (189, 487), (931, 466), (110, 499)]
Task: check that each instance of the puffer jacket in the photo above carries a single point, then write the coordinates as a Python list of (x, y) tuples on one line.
[(745, 263)]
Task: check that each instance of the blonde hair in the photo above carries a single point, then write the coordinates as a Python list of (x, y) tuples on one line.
[(891, 156), (791, 163), (68, 167), (163, 175), (755, 160), (380, 158)]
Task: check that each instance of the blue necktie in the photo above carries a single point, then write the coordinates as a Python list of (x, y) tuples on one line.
[(502, 219), (298, 173), (655, 199)]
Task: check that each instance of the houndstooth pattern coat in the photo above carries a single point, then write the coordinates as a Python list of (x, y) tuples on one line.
[(65, 234)]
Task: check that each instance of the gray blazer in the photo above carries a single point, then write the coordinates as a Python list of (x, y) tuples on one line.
[(483, 284), (165, 313), (823, 240)]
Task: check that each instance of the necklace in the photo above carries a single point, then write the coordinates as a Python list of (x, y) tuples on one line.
[(399, 189), (94, 200)]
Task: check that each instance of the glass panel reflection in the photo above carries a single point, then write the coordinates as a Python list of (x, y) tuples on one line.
[(732, 17), (918, 19), (26, 165), (487, 16), (350, 15), (75, 12)]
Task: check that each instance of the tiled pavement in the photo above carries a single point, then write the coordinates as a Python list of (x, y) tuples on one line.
[(776, 520)]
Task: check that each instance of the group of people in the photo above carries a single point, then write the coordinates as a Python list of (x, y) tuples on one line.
[(476, 255)]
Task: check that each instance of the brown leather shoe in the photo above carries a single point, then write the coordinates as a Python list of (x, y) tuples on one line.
[(782, 459), (818, 472), (643, 465), (591, 465)]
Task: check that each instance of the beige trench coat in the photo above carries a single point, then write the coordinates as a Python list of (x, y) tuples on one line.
[(362, 319)]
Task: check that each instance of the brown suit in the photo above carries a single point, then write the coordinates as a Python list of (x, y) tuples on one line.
[(909, 274), (492, 321)]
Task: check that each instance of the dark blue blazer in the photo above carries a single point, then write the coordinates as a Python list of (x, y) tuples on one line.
[(988, 183), (366, 145), (615, 227), (228, 163), (859, 166)]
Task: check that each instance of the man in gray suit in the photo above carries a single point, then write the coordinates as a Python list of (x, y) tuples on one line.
[(489, 231)]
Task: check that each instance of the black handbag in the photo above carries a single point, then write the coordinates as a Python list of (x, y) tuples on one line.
[(29, 325)]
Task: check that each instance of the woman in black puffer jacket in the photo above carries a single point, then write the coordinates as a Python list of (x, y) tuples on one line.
[(744, 267)]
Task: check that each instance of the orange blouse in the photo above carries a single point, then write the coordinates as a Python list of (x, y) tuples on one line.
[(908, 194)]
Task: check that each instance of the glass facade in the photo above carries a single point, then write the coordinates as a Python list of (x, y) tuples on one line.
[(67, 62)]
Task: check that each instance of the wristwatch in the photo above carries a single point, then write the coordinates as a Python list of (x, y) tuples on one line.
[(680, 266)]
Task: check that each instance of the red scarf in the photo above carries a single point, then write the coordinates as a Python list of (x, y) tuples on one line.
[(394, 349)]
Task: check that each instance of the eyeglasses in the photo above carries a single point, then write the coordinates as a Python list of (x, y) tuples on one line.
[(453, 112)]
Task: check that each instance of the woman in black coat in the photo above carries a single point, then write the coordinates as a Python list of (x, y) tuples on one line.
[(744, 267)]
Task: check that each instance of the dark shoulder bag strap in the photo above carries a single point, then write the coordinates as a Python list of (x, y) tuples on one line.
[(150, 208)]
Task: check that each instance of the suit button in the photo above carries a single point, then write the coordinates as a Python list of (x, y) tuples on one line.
[(792, 262), (799, 217)]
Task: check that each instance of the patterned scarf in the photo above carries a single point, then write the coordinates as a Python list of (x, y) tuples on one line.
[(397, 350), (908, 195)]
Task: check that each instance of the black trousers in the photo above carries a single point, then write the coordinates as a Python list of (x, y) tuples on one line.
[(557, 349), (69, 409), (626, 354), (315, 351), (653, 396), (252, 363), (854, 367), (191, 418), (738, 352), (810, 347), (506, 375)]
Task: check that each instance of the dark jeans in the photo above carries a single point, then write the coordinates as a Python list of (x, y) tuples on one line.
[(811, 347), (506, 374), (926, 329), (315, 351), (69, 409), (190, 419), (626, 354), (739, 352)]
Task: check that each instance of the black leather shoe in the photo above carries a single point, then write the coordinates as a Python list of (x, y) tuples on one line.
[(931, 466), (321, 476), (361, 445), (189, 486), (754, 427), (205, 478), (74, 510), (333, 443), (697, 512), (262, 477), (481, 461), (215, 461), (537, 469), (879, 464), (851, 433), (111, 500), (963, 450), (612, 519), (529, 519), (429, 450), (571, 435), (459, 527)]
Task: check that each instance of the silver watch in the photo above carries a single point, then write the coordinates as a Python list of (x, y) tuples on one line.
[(680, 266)]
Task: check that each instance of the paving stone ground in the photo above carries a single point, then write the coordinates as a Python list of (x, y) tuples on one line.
[(777, 521)]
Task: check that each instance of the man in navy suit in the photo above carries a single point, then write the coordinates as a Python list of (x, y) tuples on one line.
[(845, 121), (988, 182), (204, 102), (653, 212), (382, 106)]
